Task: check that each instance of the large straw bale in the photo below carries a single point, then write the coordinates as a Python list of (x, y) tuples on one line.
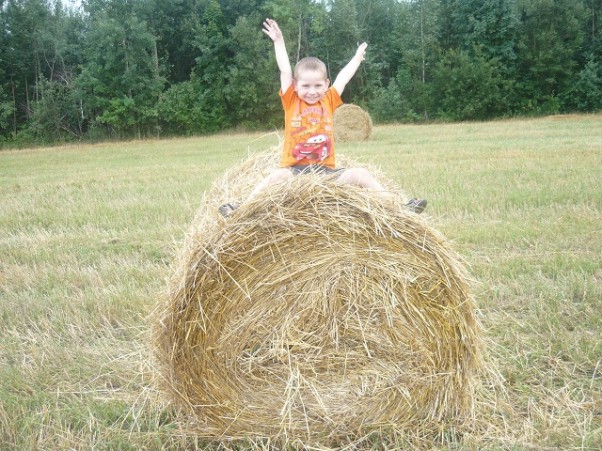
[(352, 123), (316, 314)]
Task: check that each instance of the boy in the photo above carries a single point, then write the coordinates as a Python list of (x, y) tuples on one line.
[(309, 103)]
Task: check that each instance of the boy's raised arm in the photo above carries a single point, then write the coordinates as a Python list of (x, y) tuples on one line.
[(350, 69), (271, 28)]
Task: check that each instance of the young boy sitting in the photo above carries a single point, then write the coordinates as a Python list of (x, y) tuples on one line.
[(309, 104)]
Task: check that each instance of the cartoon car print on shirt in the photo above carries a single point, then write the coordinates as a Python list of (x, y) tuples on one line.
[(316, 148)]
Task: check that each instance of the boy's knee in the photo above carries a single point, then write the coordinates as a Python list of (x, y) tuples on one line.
[(357, 176), (280, 175), (361, 177)]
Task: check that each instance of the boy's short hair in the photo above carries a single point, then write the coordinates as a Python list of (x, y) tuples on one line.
[(311, 63)]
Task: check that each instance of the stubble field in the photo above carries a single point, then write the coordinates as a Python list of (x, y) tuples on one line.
[(88, 234)]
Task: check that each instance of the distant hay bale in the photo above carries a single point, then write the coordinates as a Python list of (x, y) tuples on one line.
[(351, 123), (316, 314)]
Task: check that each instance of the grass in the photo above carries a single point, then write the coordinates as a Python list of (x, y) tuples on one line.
[(88, 234)]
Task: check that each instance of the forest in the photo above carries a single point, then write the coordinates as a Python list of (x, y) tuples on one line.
[(119, 69)]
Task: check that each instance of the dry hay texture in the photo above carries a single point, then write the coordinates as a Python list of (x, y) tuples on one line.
[(316, 314), (351, 123)]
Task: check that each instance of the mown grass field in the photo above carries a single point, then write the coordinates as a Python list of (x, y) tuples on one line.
[(88, 234)]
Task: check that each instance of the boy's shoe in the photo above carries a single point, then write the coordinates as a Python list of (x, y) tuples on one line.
[(417, 205), (227, 209)]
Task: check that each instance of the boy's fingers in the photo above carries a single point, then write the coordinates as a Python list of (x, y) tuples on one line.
[(270, 25)]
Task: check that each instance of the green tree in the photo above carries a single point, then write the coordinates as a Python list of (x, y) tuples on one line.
[(56, 112), (386, 103), (551, 36), (469, 87), (173, 25), (187, 108), (7, 110), (303, 23), (121, 80), (211, 66), (376, 22), (417, 31), (586, 92), (252, 89), (232, 10), (22, 57), (343, 35), (56, 116), (482, 35), (489, 25), (592, 29)]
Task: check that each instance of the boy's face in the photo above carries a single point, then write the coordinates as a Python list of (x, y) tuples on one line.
[(311, 86)]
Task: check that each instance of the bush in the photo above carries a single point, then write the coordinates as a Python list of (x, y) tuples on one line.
[(586, 94), (467, 87), (189, 108)]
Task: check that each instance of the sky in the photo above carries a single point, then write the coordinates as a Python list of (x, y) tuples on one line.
[(72, 4)]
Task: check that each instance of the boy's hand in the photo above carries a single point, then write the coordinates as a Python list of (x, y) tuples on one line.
[(271, 28), (361, 51), (350, 69)]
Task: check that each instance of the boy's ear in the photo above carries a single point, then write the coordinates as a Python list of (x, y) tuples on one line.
[(327, 82)]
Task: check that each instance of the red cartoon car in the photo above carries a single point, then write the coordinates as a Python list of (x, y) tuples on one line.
[(316, 148)]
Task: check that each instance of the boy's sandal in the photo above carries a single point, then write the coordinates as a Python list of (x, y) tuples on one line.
[(417, 205), (227, 209)]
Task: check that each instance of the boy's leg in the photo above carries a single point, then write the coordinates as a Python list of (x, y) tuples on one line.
[(277, 176), (361, 177)]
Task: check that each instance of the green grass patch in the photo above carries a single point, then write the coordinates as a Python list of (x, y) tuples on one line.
[(88, 234)]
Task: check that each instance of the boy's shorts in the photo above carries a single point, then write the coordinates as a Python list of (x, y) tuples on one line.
[(314, 169)]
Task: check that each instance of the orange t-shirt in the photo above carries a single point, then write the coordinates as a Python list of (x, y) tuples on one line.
[(308, 129)]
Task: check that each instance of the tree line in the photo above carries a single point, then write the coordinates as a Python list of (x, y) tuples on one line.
[(138, 68)]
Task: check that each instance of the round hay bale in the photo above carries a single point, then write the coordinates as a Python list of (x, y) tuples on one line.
[(316, 314), (351, 123)]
